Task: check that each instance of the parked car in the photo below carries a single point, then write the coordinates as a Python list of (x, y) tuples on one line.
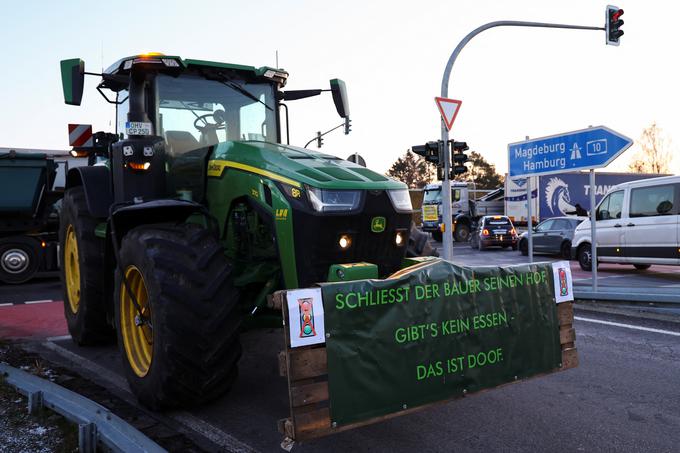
[(552, 236), (496, 230), (637, 222)]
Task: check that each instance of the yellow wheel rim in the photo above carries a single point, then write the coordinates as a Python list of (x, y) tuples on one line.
[(136, 330), (72, 269)]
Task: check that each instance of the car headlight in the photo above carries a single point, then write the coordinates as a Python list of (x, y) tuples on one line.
[(324, 200), (401, 200)]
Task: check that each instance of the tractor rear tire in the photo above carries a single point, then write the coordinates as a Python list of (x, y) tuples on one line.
[(184, 348), (82, 272)]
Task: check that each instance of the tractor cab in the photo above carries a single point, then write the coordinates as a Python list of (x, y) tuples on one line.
[(170, 111)]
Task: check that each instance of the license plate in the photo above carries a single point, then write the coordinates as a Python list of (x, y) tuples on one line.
[(430, 213), (137, 128), (498, 231)]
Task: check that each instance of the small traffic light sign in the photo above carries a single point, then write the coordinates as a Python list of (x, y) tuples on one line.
[(459, 157), (319, 139), (430, 151), (613, 25)]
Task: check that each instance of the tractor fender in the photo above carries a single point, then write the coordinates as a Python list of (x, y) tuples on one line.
[(96, 182), (125, 218)]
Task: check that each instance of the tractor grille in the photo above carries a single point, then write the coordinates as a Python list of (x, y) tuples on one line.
[(317, 236)]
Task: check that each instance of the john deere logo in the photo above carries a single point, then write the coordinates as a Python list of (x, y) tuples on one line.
[(378, 224)]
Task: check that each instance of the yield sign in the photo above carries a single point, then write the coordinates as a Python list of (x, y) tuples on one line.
[(448, 109)]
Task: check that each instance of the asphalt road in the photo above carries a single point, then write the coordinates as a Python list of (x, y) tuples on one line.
[(624, 396), (38, 289)]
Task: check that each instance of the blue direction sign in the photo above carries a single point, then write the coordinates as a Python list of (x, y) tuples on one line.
[(594, 147)]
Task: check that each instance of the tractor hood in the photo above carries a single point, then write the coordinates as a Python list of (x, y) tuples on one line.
[(288, 163)]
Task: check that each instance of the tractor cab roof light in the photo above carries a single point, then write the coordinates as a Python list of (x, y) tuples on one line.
[(151, 57)]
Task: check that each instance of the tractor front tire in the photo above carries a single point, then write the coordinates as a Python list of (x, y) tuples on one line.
[(82, 272), (183, 348)]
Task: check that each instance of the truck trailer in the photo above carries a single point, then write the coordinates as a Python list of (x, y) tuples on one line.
[(560, 194), (31, 187)]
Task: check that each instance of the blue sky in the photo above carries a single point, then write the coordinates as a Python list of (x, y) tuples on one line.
[(513, 82)]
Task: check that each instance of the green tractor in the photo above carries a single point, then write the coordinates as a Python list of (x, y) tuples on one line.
[(195, 211)]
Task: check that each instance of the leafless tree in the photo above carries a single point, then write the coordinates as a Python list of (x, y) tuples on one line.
[(654, 155)]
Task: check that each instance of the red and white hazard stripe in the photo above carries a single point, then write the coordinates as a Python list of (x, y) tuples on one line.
[(80, 135)]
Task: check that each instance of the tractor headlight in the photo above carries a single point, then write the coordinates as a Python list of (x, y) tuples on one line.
[(401, 200), (324, 200)]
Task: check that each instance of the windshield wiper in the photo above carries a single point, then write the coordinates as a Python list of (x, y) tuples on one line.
[(236, 87)]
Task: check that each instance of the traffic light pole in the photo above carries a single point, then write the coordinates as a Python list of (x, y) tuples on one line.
[(446, 183)]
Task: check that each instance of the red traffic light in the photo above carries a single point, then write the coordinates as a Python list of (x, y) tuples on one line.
[(613, 25)]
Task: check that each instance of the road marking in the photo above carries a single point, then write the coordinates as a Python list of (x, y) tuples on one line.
[(6, 305), (213, 433), (59, 338), (628, 326), (43, 301), (600, 275)]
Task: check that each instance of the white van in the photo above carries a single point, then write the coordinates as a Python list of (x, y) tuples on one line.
[(638, 223)]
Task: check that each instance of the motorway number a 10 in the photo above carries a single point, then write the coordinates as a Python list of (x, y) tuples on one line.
[(137, 128)]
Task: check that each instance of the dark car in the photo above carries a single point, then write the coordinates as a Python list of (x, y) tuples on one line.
[(496, 230), (552, 236)]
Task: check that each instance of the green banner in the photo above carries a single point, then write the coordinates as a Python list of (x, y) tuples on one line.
[(435, 332)]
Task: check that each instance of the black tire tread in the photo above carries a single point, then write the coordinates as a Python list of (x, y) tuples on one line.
[(524, 247), (89, 326), (456, 234), (195, 311)]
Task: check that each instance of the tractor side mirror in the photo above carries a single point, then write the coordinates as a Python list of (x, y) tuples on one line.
[(73, 80), (339, 92)]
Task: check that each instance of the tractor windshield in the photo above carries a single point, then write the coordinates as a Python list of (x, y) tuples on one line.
[(194, 112)]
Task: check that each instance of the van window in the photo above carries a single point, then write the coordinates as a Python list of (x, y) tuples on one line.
[(652, 201), (611, 206)]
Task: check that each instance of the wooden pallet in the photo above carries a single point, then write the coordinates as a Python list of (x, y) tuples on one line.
[(307, 371)]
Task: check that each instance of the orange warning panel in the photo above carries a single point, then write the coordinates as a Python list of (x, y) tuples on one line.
[(33, 321)]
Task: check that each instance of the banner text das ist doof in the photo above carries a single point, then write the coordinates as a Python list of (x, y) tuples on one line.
[(436, 332)]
